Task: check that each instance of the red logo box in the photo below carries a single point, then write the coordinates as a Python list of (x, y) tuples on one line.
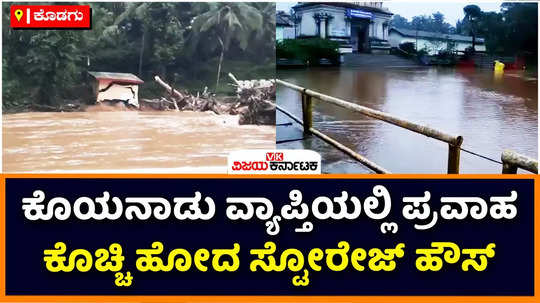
[(274, 156), (50, 16)]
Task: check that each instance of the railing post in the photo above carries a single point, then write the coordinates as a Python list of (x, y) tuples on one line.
[(508, 168), (454, 151), (307, 113), (512, 161)]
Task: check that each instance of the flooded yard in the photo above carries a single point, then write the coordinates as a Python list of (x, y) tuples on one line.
[(491, 112), (126, 141)]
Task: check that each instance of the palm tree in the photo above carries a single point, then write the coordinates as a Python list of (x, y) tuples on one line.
[(223, 24)]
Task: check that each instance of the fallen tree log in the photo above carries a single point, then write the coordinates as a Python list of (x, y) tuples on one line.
[(254, 102), (168, 88)]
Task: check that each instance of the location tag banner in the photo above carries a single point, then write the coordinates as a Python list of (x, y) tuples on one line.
[(51, 16)]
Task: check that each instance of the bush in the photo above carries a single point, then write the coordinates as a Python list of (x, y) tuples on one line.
[(308, 50), (409, 47)]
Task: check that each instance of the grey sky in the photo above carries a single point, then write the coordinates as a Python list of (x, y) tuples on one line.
[(452, 11)]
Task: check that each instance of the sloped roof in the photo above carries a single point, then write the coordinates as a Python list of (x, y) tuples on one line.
[(283, 19), (434, 35), (119, 77)]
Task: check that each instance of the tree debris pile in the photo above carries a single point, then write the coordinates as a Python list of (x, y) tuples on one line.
[(254, 102), (257, 101)]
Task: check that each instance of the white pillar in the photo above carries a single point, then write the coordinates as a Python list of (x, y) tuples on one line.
[(322, 28)]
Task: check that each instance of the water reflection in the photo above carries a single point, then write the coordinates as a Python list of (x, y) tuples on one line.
[(492, 113)]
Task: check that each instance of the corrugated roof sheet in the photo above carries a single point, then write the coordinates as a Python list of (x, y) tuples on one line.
[(434, 35), (120, 77)]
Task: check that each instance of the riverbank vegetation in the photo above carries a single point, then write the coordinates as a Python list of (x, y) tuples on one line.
[(191, 45)]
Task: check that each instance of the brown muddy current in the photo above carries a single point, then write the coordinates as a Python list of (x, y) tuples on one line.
[(491, 112), (126, 141)]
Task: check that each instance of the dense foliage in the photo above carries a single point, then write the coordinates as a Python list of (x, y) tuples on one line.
[(511, 31), (186, 43), (433, 23), (308, 50)]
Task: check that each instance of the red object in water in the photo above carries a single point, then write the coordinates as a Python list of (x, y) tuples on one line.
[(469, 63), (518, 63)]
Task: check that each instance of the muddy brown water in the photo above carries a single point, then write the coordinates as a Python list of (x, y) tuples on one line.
[(121, 141), (491, 112)]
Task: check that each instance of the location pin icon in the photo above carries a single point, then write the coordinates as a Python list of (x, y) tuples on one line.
[(18, 14)]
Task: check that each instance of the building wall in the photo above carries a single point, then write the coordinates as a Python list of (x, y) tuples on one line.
[(288, 32), (279, 33), (377, 28), (338, 26), (433, 46), (307, 26), (396, 39), (284, 32)]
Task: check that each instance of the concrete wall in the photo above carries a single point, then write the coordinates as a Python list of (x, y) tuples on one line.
[(338, 25), (307, 26), (378, 29), (284, 32), (288, 33)]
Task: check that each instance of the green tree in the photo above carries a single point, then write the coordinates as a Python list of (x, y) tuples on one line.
[(472, 14), (49, 67), (43, 63), (521, 28), (399, 22), (434, 23), (512, 31), (224, 24)]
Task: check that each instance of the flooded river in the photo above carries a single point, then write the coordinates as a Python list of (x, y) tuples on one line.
[(191, 142), (491, 113)]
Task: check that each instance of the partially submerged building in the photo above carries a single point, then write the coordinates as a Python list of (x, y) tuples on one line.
[(433, 42), (364, 27), (117, 87), (358, 26)]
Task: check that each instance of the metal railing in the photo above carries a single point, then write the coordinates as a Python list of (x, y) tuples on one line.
[(512, 161), (454, 142)]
